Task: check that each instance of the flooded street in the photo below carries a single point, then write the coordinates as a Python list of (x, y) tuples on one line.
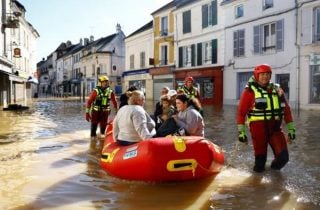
[(46, 163)]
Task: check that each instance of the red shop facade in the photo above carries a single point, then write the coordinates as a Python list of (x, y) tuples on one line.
[(209, 82)]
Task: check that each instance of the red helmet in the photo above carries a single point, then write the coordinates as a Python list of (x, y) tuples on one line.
[(188, 79), (262, 68)]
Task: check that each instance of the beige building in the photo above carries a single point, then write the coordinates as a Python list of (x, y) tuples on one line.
[(18, 65)]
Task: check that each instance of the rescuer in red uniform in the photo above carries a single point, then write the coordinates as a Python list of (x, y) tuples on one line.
[(264, 105), (98, 107)]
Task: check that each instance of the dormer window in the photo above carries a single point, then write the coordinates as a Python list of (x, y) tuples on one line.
[(239, 11), (267, 4)]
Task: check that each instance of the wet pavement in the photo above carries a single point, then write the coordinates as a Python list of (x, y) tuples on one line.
[(46, 163)]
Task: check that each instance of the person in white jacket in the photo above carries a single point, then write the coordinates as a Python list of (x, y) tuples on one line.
[(132, 123)]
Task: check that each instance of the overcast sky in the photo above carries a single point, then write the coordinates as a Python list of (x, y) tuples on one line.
[(61, 20)]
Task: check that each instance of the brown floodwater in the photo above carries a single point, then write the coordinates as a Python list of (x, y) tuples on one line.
[(46, 163)]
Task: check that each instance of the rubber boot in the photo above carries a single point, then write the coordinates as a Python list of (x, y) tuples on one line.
[(260, 162), (280, 161)]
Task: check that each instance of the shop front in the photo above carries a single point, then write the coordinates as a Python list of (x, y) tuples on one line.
[(162, 77), (141, 79), (209, 82)]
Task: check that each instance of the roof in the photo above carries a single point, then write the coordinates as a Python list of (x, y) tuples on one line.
[(226, 2), (142, 29), (165, 7), (102, 41), (174, 3), (183, 3)]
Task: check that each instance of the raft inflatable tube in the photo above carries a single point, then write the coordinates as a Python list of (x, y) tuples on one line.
[(174, 158)]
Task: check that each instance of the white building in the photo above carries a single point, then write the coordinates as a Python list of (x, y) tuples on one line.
[(258, 32), (199, 47), (308, 43), (139, 50), (105, 56), (18, 65)]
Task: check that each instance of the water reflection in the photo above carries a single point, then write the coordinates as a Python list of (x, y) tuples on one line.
[(46, 162)]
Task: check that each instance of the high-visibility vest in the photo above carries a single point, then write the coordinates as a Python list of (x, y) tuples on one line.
[(102, 100), (191, 93), (274, 107)]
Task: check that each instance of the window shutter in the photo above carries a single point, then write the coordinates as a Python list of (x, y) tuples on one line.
[(193, 55), (199, 54), (279, 35), (166, 55), (214, 12), (186, 22), (180, 56), (241, 36), (205, 16), (235, 44), (214, 49), (256, 40)]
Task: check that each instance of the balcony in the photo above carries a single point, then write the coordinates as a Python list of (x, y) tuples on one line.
[(164, 32)]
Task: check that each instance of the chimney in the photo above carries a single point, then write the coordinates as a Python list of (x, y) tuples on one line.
[(86, 41), (91, 38), (81, 42), (118, 28)]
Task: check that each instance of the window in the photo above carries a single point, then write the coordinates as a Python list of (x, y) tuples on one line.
[(243, 78), (238, 43), (207, 53), (187, 55), (142, 59), (164, 26), (186, 18), (93, 70), (131, 61), (316, 25), (268, 38), (164, 55), (267, 4), (239, 11), (315, 84), (209, 14)]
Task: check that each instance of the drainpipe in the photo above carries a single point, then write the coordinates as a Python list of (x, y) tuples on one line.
[(298, 57)]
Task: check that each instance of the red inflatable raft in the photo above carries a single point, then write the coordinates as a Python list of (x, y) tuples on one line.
[(172, 158)]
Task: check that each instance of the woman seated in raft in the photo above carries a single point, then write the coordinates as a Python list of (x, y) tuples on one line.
[(188, 121), (132, 123), (188, 117)]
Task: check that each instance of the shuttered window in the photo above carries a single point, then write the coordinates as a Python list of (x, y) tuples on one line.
[(268, 38)]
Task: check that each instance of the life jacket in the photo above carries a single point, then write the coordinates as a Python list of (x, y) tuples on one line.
[(193, 93), (102, 100), (273, 107)]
